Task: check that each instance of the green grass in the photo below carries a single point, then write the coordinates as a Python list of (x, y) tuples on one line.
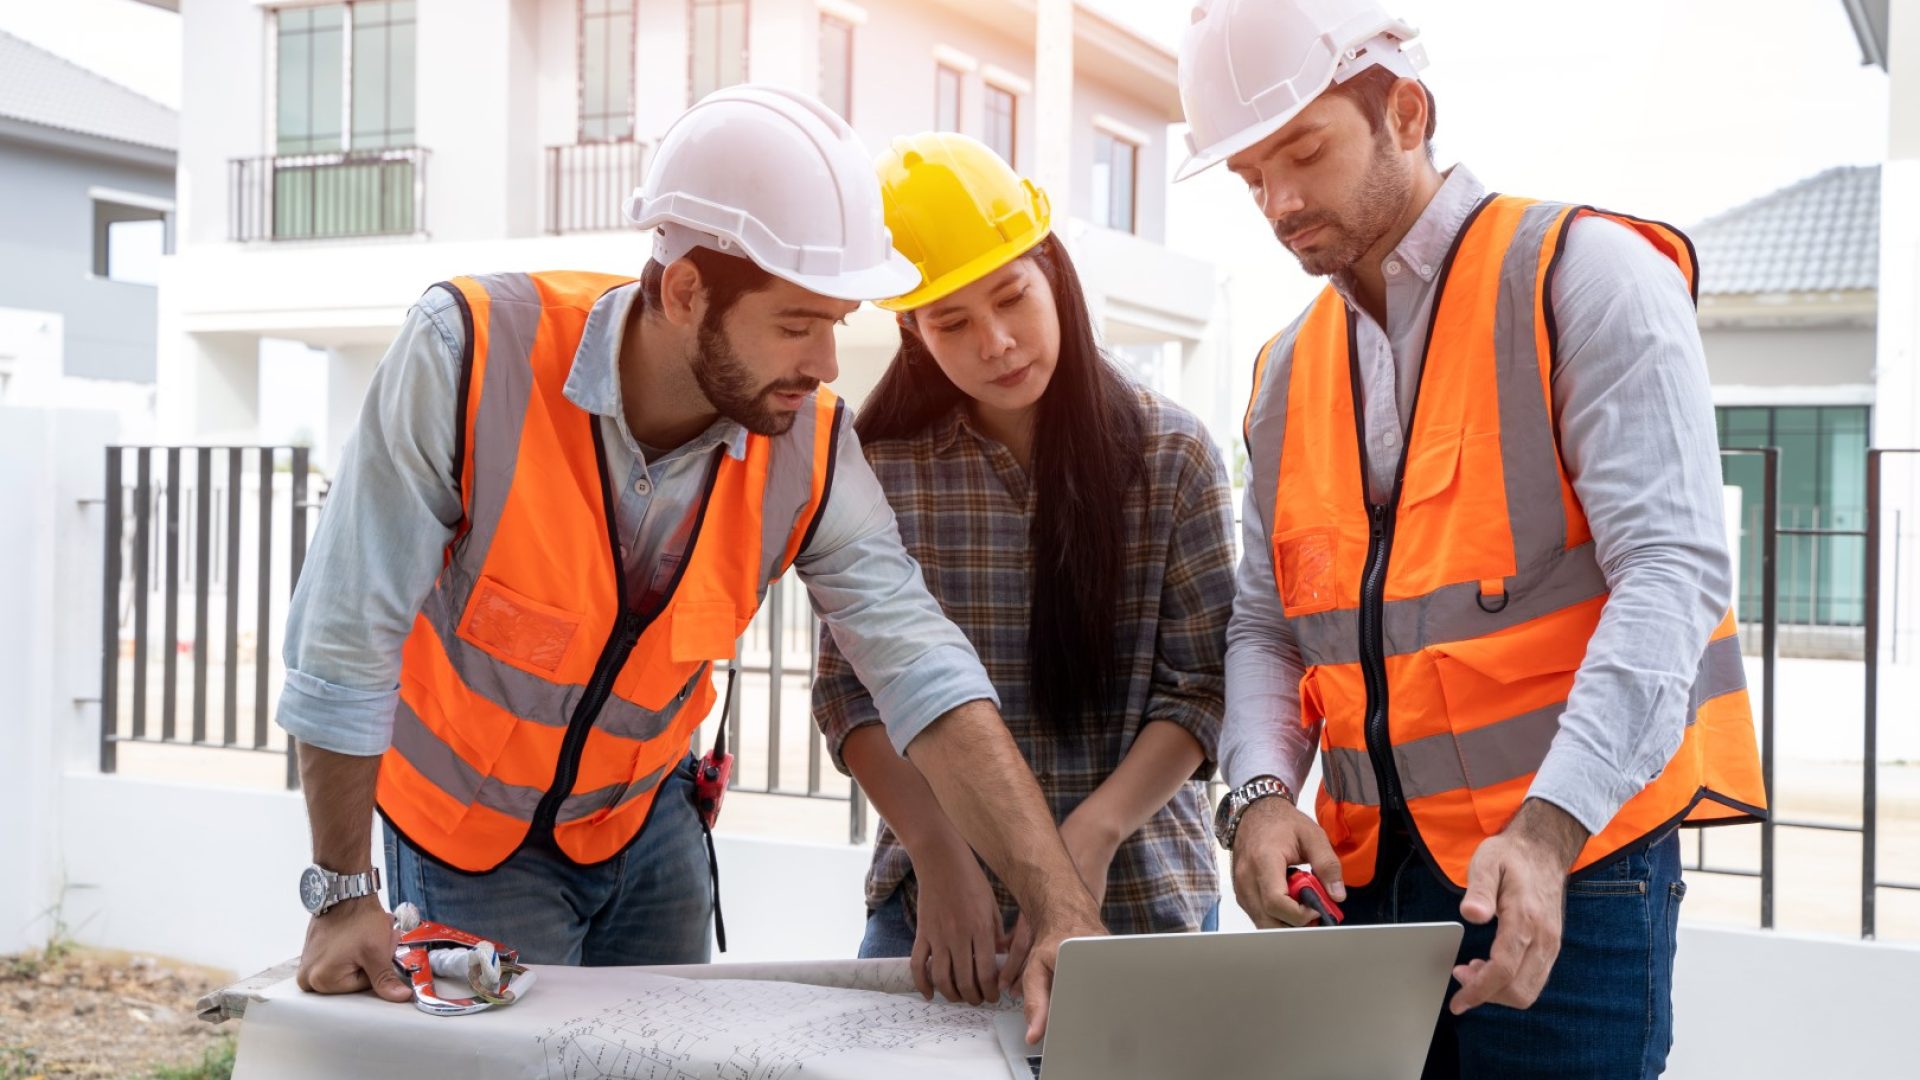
[(18, 1063), (216, 1064)]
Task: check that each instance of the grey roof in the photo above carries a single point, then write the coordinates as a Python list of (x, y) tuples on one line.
[(40, 88), (1819, 235)]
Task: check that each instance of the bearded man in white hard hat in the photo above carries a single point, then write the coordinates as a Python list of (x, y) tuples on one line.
[(566, 497), (1484, 570)]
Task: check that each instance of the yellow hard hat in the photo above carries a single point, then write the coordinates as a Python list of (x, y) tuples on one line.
[(956, 211)]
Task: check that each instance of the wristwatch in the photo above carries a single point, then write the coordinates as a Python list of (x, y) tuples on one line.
[(1226, 818), (321, 888)]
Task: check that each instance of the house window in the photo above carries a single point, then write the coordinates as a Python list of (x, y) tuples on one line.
[(946, 98), (344, 76), (606, 70), (1002, 121), (718, 57), (836, 65), (1115, 176), (1823, 485), (128, 242)]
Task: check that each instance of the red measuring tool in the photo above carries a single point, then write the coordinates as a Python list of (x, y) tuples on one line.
[(1306, 889)]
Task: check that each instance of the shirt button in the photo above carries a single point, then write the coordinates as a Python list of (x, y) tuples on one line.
[(641, 486), (1390, 438), (1393, 268), (1426, 271)]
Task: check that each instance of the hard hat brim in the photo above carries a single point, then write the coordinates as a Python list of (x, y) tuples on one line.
[(959, 278), (875, 283)]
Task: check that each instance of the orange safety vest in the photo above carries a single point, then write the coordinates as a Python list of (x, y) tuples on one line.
[(533, 696), (1441, 632)]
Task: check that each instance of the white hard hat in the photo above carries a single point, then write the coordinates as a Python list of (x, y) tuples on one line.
[(1249, 66), (776, 177)]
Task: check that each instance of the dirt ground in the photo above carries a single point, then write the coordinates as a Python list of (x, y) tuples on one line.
[(81, 1012)]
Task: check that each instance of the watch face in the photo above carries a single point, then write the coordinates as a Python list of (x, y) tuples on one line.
[(313, 889), (1220, 815)]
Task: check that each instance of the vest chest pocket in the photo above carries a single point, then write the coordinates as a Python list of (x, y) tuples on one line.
[(1303, 561), (518, 630)]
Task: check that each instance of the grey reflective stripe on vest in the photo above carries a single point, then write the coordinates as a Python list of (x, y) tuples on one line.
[(513, 321), (1438, 764), (1453, 612), (790, 489), (1722, 671), (449, 772), (1529, 456), (1266, 433)]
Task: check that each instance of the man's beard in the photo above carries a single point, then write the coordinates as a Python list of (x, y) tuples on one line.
[(728, 385), (1376, 207)]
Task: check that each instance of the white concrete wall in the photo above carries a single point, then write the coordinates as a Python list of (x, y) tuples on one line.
[(50, 559), (1789, 356)]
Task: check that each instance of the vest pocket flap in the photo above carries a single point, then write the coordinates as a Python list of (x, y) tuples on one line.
[(703, 630), (1432, 464), (1485, 680), (520, 631)]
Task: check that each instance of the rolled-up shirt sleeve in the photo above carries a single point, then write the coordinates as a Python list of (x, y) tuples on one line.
[(888, 651), (1261, 735), (1188, 684), (391, 510), (1635, 418)]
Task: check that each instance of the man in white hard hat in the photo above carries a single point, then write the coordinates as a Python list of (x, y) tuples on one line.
[(565, 498), (1484, 567)]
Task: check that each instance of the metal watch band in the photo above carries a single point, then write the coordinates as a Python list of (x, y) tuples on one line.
[(352, 886), (1244, 796)]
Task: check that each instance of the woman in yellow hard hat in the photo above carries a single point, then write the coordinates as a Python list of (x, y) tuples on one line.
[(1076, 527)]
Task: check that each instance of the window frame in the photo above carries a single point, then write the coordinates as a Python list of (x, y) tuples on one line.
[(1101, 139), (995, 90), (746, 45), (581, 115), (942, 69)]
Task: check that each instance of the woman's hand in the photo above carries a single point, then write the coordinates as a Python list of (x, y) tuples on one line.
[(957, 931)]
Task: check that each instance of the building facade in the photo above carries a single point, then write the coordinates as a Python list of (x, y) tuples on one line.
[(89, 169), (346, 155)]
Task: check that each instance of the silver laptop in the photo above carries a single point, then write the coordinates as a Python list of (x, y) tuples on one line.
[(1308, 1004)]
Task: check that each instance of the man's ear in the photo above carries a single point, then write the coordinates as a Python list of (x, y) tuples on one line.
[(1407, 107), (683, 296)]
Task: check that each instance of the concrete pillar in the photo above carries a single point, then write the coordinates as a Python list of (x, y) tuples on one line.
[(349, 371), (208, 386), (1897, 370), (1053, 102), (50, 566)]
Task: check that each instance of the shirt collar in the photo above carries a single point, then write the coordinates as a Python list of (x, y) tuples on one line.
[(1423, 250), (593, 382)]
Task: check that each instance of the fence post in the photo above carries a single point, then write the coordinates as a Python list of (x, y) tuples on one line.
[(1769, 655)]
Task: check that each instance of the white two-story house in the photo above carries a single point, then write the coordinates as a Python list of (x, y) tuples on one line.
[(340, 157)]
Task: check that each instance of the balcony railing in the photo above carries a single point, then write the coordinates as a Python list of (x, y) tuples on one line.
[(588, 184), (328, 196)]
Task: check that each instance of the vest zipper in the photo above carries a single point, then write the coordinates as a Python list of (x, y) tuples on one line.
[(1373, 652), (627, 629)]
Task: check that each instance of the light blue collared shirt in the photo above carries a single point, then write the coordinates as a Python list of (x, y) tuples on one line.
[(1634, 415), (394, 507)]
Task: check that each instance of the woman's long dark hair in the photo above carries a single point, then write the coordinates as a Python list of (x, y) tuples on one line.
[(1089, 444)]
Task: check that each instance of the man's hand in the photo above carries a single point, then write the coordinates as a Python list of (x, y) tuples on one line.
[(1036, 983), (957, 931), (1092, 845), (1520, 876), (1272, 836), (349, 949)]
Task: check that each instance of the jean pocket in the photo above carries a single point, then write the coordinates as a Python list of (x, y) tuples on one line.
[(1606, 887)]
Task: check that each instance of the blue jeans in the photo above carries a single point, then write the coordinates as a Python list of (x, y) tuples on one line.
[(650, 904), (888, 933), (1607, 1010)]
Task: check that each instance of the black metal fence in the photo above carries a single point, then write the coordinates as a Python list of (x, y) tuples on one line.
[(185, 525), (328, 196), (1873, 537), (588, 184), (211, 527)]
